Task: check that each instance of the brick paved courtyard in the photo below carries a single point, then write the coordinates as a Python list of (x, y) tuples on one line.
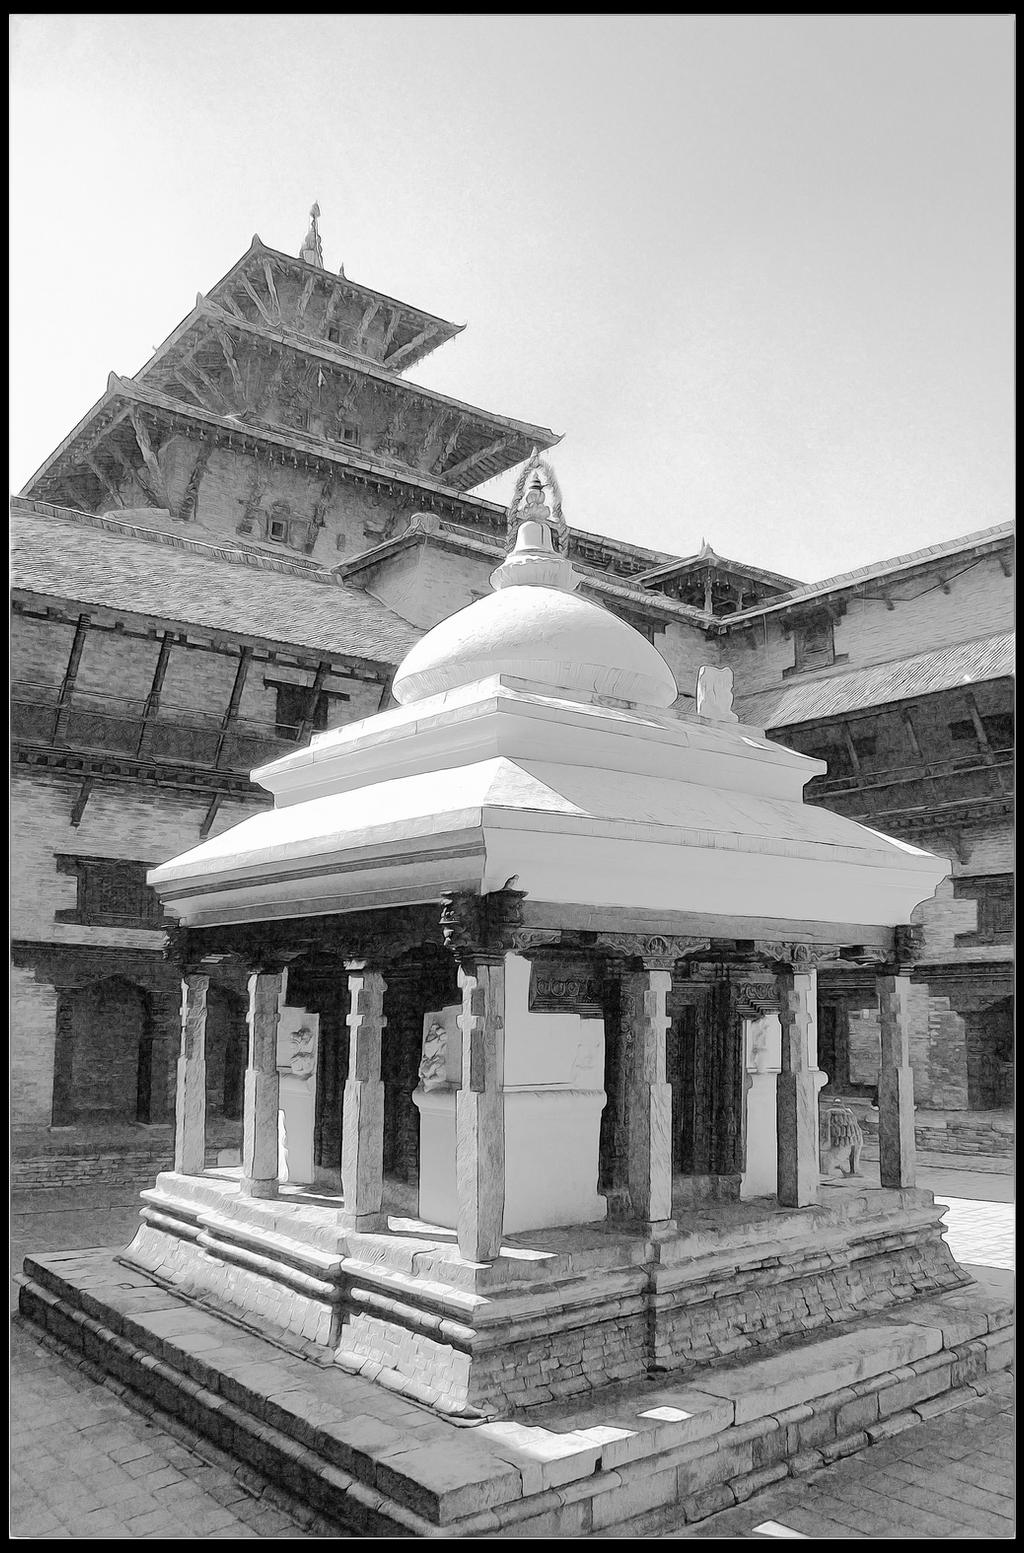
[(85, 1464)]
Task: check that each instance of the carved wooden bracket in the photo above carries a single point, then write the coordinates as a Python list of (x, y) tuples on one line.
[(754, 999), (657, 951), (797, 957), (479, 927)]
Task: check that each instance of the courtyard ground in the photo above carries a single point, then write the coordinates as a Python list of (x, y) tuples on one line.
[(85, 1464)]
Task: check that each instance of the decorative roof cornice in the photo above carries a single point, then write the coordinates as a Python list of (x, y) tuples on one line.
[(982, 542), (258, 249), (338, 356), (293, 444)]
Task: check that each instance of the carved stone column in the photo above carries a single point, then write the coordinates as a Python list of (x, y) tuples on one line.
[(648, 1096), (897, 1147), (190, 1090), (644, 984), (480, 1109), (897, 1150), (261, 1091), (479, 930), (362, 1138), (798, 1083)]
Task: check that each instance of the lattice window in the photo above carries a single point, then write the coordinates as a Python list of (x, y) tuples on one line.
[(814, 643), (112, 892), (994, 896), (293, 709)]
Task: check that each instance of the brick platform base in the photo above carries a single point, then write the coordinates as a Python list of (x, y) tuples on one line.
[(559, 1312), (623, 1457)]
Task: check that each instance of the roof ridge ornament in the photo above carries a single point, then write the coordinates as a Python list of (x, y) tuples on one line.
[(312, 249), (524, 499), (539, 557)]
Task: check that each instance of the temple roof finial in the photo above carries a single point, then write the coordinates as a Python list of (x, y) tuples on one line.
[(528, 502), (312, 251)]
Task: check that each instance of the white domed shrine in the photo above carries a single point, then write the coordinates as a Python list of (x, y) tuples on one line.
[(557, 940)]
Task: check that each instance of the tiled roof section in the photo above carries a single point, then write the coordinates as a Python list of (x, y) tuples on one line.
[(981, 540), (944, 668), (69, 555), (710, 558)]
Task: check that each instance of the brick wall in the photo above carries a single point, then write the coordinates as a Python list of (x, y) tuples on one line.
[(119, 822), (33, 1013), (979, 603)]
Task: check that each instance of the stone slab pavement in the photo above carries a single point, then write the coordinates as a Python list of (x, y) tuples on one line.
[(949, 1477), (86, 1464)]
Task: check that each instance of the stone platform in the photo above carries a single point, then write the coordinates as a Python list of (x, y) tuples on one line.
[(620, 1456), (558, 1312)]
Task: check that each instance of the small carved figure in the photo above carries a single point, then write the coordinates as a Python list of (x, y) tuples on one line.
[(304, 1056), (714, 694), (434, 1062), (840, 1139)]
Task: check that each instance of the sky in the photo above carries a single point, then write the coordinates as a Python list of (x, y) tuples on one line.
[(755, 269)]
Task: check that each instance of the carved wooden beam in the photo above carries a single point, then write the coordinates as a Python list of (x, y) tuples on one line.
[(303, 302), (149, 458), (78, 807), (138, 475), (320, 507), (224, 341), (338, 290), (190, 495), (323, 668), (244, 659), (851, 748), (250, 292), (110, 489), (398, 356), (222, 402), (367, 319), (463, 468), (391, 330), (430, 445), (152, 705), (271, 383), (450, 444), (228, 302), (210, 815), (70, 675), (275, 301)]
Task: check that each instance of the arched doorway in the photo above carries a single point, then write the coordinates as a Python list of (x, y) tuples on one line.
[(103, 1059)]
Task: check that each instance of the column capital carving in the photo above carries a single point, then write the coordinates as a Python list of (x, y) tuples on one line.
[(797, 957), (655, 951), (482, 927), (529, 940), (756, 998), (907, 949)]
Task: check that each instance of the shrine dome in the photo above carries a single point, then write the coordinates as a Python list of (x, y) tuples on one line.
[(533, 626)]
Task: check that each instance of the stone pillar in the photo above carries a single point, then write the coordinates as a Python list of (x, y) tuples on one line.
[(190, 1092), (480, 1108), (648, 1097), (896, 1143), (261, 1092), (797, 1086), (362, 1138)]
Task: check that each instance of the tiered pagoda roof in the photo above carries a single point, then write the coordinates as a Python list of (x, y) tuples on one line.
[(283, 352)]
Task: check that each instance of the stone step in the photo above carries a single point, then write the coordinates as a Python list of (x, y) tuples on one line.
[(378, 1463)]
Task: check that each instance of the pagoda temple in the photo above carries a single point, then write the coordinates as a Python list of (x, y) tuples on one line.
[(276, 416)]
